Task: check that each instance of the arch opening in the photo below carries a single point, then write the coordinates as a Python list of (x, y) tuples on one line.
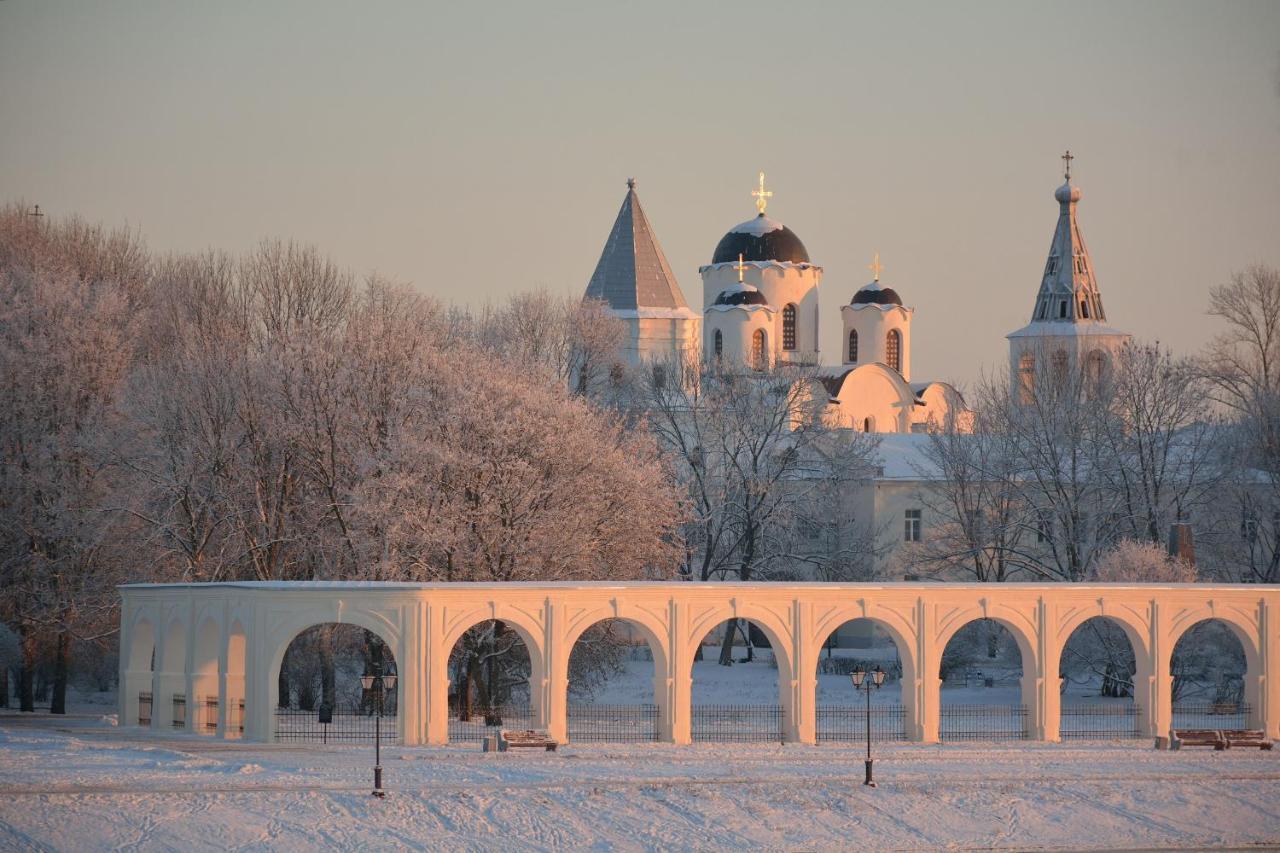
[(204, 678), (1096, 671), (739, 679), (616, 679), (321, 697), (983, 694), (841, 710), (1210, 666), (490, 674), (759, 350), (170, 696), (140, 674)]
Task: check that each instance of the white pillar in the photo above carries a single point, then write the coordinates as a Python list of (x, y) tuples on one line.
[(926, 715), (436, 668), (803, 720), (409, 675), (1267, 709), (259, 682), (1045, 709), (1154, 680), (680, 678), (556, 656)]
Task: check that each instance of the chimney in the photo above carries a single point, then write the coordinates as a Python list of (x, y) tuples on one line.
[(1181, 543)]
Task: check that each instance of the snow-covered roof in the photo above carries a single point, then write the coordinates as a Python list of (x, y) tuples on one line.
[(903, 456), (1065, 329)]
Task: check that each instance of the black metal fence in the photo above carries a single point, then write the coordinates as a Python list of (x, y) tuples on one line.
[(737, 723), (838, 723), (481, 725), (983, 722), (1211, 715), (1099, 722), (346, 724), (235, 718), (179, 711), (211, 714), (144, 709), (613, 723)]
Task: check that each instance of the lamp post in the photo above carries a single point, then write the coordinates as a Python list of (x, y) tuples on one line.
[(379, 684), (861, 682)]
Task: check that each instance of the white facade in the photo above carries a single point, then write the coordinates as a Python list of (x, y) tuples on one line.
[(873, 324), (783, 284), (224, 641)]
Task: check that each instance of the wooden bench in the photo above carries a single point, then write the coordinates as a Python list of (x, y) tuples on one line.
[(1196, 737), (1219, 739), (1246, 738), (527, 739)]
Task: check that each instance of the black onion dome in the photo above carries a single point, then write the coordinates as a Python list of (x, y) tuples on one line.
[(741, 297), (874, 294), (760, 239)]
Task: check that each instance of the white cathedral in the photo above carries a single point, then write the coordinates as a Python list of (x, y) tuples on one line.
[(760, 307)]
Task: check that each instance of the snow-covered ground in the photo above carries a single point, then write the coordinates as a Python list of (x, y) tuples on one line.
[(82, 784)]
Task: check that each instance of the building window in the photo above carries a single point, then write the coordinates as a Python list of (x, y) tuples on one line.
[(759, 350), (1026, 378), (719, 343), (1062, 309), (911, 526), (893, 349), (659, 377), (1060, 365), (1095, 369), (1052, 266), (789, 327), (1084, 308), (868, 425), (853, 347)]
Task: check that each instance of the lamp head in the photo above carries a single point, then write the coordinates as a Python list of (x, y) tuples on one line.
[(389, 682), (367, 681), (878, 676), (858, 675)]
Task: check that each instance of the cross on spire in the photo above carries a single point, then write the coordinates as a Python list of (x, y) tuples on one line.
[(1067, 158), (36, 214), (876, 267), (739, 266), (762, 195)]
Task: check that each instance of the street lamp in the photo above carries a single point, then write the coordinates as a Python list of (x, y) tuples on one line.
[(380, 685), (861, 682)]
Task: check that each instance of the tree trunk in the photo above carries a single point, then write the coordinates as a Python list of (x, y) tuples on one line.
[(726, 646), (26, 676), (58, 705), (4, 686), (328, 676)]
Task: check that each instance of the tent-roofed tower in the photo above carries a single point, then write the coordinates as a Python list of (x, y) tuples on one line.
[(635, 280), (1067, 320)]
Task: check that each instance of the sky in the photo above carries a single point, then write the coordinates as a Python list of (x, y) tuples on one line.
[(475, 150)]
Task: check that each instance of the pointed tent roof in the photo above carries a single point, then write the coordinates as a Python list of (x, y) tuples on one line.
[(1069, 289), (633, 274)]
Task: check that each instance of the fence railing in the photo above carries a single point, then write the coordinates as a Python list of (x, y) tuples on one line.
[(1210, 715), (235, 721), (179, 711), (736, 723), (1099, 721), (482, 724), (144, 709), (613, 723), (346, 724), (211, 714), (837, 723), (983, 722)]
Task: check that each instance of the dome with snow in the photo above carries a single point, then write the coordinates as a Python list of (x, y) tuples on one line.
[(760, 239), (875, 294), (741, 294)]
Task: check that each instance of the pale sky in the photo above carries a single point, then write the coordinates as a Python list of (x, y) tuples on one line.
[(479, 149)]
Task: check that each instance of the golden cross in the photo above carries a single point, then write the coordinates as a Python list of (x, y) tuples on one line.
[(739, 266), (1067, 158), (876, 267), (762, 195)]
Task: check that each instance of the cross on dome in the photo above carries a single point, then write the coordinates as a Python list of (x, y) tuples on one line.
[(876, 267), (762, 195), (1067, 158)]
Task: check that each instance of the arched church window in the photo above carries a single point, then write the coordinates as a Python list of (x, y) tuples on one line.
[(759, 350), (893, 349), (1084, 308), (1060, 364), (853, 346), (789, 327), (868, 425), (1026, 377), (1062, 309), (719, 343), (1095, 367)]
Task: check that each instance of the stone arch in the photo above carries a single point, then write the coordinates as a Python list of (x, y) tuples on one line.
[(142, 646), (641, 726), (1135, 629), (1024, 636), (527, 626), (1243, 632), (174, 656), (774, 629), (206, 654), (289, 630), (901, 635), (1024, 717)]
